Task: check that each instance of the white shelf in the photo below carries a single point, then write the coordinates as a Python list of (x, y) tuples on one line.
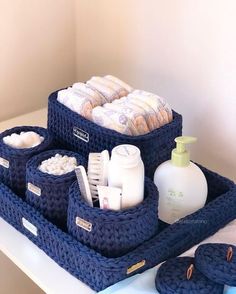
[(50, 277)]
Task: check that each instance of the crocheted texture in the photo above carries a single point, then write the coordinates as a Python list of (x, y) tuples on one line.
[(172, 278), (79, 134), (114, 233), (98, 271), (211, 260), (52, 197), (14, 176)]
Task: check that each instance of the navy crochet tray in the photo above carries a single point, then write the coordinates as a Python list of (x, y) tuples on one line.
[(74, 132), (100, 272)]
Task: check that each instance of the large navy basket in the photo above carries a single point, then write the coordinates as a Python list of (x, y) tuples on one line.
[(113, 233), (100, 272), (13, 161), (79, 134), (49, 193)]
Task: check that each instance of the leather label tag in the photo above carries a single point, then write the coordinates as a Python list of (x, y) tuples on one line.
[(34, 189), (5, 163), (83, 224), (136, 266)]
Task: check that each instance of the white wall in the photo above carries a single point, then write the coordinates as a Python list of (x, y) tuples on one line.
[(183, 50), (37, 52)]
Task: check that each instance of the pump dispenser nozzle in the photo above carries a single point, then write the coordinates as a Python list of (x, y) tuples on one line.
[(180, 156)]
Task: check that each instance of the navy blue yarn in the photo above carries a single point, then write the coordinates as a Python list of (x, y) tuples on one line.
[(53, 201), (14, 176), (211, 260), (114, 233), (155, 147), (98, 271), (171, 278)]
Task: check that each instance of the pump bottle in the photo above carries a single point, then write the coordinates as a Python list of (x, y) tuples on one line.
[(181, 183)]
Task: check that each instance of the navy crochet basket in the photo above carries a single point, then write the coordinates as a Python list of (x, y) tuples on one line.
[(98, 271), (74, 132), (113, 233), (49, 193), (13, 161)]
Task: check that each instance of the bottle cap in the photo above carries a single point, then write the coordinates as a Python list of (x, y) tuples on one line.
[(126, 155), (180, 156)]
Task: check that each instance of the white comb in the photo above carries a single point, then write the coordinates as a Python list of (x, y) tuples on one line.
[(84, 184)]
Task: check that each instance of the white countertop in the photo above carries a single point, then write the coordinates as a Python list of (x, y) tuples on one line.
[(50, 277)]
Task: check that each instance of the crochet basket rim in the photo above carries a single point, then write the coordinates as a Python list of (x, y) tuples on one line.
[(90, 124), (19, 151), (33, 163), (97, 212)]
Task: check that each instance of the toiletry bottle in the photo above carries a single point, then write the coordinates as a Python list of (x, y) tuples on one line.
[(181, 183), (126, 171)]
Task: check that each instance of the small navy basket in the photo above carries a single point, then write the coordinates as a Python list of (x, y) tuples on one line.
[(13, 161), (172, 278), (74, 132), (113, 233), (49, 193), (98, 271)]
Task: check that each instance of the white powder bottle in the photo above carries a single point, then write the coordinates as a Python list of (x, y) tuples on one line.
[(126, 171)]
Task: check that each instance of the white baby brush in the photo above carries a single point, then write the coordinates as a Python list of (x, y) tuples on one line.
[(97, 171)]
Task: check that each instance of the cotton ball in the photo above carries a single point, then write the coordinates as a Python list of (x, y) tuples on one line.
[(59, 165), (23, 140), (14, 141), (30, 139), (7, 140)]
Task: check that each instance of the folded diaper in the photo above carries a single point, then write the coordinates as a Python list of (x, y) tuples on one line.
[(23, 140), (165, 105), (119, 82), (94, 97), (111, 119), (109, 93), (120, 109), (150, 114), (157, 106), (76, 102), (120, 90), (134, 113)]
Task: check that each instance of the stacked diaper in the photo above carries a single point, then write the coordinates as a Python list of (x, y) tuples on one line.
[(83, 97), (113, 104), (138, 113)]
